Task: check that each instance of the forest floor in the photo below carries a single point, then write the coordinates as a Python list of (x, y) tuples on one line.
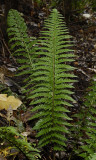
[(83, 31)]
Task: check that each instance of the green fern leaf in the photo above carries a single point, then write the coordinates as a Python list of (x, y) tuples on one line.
[(52, 92), (21, 44), (87, 124)]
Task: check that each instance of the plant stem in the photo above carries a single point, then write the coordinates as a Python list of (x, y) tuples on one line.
[(53, 155), (59, 155)]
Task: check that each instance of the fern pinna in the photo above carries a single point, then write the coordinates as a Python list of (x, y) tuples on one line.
[(51, 95), (21, 44)]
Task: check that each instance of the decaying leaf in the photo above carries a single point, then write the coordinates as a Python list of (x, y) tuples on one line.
[(25, 134), (7, 102), (2, 77), (4, 71), (6, 152), (3, 97)]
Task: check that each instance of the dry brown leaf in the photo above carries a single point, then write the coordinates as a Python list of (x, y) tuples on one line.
[(3, 97), (2, 77), (4, 70), (11, 101)]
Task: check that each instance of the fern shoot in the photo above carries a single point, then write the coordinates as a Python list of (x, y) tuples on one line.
[(51, 95)]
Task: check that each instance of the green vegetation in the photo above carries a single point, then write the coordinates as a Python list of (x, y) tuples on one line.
[(49, 78), (21, 44), (18, 141), (52, 78), (86, 125), (69, 6), (50, 75)]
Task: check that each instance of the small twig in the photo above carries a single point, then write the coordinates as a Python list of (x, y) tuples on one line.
[(7, 47), (32, 4), (3, 51), (9, 51)]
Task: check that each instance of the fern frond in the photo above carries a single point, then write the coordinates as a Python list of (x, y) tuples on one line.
[(87, 124), (21, 44), (52, 78)]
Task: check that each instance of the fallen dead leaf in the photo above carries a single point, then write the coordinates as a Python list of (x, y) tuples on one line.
[(7, 102)]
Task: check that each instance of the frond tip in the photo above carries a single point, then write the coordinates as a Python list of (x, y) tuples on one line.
[(52, 78)]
